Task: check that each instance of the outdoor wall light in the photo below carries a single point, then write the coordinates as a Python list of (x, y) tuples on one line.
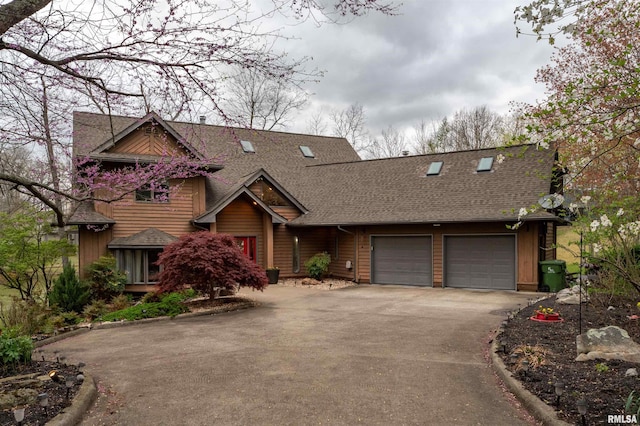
[(559, 388), (18, 414), (43, 400), (525, 367), (80, 378), (582, 409), (62, 359), (81, 366), (502, 346)]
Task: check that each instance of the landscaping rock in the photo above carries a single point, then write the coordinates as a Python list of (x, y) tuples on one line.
[(632, 372), (607, 343), (571, 296)]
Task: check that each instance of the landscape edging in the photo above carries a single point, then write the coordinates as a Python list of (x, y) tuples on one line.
[(73, 414)]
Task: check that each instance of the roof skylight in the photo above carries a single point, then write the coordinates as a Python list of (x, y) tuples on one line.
[(247, 146), (485, 164), (434, 168), (306, 151)]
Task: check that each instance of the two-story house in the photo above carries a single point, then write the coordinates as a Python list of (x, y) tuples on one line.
[(428, 220)]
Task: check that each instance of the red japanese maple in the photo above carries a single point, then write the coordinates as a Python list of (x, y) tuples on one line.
[(208, 262)]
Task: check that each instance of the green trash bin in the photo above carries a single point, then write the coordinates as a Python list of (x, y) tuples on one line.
[(554, 274)]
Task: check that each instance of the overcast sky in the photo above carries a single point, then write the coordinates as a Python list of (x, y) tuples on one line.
[(434, 58)]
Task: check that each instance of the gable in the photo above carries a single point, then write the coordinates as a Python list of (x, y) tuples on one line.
[(148, 139)]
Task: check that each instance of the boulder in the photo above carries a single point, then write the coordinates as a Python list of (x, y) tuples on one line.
[(571, 296), (607, 343)]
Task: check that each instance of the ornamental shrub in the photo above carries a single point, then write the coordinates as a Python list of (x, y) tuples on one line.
[(169, 305), (26, 317), (15, 348), (69, 293), (318, 265), (104, 278), (208, 263)]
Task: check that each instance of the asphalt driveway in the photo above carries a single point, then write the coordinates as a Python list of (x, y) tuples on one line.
[(370, 354)]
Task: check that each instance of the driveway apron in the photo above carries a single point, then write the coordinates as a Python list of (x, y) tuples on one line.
[(369, 354)]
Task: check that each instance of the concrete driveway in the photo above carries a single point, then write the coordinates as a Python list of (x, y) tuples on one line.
[(370, 354)]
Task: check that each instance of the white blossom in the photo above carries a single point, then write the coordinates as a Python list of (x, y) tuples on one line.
[(594, 225), (604, 221), (522, 213), (585, 199), (620, 212), (573, 207), (500, 158), (596, 248)]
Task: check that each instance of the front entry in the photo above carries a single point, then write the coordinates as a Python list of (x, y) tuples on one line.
[(248, 247)]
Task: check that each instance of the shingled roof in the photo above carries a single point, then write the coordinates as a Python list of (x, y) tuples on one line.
[(397, 190), (337, 188), (278, 153)]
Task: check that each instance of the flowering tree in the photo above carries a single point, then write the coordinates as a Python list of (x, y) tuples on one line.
[(208, 263), (591, 115), (613, 233), (162, 55)]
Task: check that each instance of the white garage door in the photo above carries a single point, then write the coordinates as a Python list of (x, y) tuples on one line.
[(480, 262), (403, 260)]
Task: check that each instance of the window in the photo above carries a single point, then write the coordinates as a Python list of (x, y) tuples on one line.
[(158, 193), (139, 265), (296, 254), (485, 164), (306, 151), (247, 146), (434, 168)]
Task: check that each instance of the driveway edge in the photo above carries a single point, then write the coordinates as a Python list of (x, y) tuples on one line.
[(83, 400), (538, 409)]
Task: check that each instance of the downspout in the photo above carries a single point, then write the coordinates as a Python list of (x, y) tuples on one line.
[(355, 249), (197, 225)]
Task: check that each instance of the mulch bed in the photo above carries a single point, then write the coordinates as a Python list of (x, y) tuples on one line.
[(601, 382), (56, 392)]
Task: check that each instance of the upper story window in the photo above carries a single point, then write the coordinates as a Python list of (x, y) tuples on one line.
[(158, 193), (247, 146), (485, 164), (306, 151), (435, 168)]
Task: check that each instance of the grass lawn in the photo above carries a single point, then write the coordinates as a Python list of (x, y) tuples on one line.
[(569, 247)]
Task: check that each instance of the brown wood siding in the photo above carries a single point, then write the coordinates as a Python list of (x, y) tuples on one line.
[(346, 252), (242, 219), (288, 212), (283, 250), (198, 195), (92, 245), (528, 256), (173, 217), (527, 251), (142, 142), (312, 241)]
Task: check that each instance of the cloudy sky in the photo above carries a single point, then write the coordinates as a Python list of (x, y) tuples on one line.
[(434, 58)]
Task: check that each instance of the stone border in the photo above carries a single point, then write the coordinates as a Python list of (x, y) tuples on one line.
[(538, 409), (81, 403)]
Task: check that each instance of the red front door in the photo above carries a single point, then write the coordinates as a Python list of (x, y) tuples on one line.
[(248, 247)]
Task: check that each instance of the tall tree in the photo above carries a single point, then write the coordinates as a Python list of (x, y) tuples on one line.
[(350, 123), (390, 143), (259, 101), (157, 54)]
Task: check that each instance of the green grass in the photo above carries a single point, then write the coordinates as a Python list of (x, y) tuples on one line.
[(568, 245)]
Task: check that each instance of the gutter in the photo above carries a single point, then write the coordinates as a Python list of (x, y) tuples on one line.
[(355, 249)]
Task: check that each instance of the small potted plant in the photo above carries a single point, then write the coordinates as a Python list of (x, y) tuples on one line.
[(273, 273), (547, 314)]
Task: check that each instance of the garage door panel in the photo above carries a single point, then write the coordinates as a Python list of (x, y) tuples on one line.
[(403, 260), (480, 262)]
